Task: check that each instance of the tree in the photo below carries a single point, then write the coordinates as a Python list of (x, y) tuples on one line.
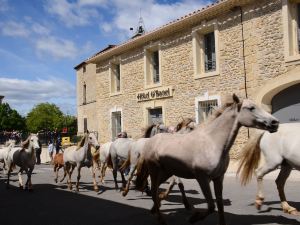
[(71, 123), (44, 116), (10, 119)]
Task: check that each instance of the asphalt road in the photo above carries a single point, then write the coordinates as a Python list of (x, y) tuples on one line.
[(54, 204)]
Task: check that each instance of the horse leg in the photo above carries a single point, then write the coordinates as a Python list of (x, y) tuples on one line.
[(285, 171), (115, 170), (9, 169), (65, 173), (260, 173), (186, 203), (78, 177), (20, 179), (67, 169), (131, 173), (103, 169), (164, 195), (123, 179), (28, 182), (156, 179), (218, 186), (204, 185), (56, 168), (93, 170)]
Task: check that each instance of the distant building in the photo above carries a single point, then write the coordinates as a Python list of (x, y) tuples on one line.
[(1, 98)]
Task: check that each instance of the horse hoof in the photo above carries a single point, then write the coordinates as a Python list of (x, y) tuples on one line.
[(55, 180), (162, 196), (96, 189), (292, 211), (124, 193), (258, 205)]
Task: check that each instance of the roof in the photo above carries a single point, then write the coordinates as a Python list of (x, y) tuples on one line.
[(188, 20), (101, 51)]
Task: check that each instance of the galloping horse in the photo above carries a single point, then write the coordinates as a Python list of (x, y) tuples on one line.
[(24, 157), (185, 126), (202, 154), (120, 149), (80, 156), (4, 152), (279, 149)]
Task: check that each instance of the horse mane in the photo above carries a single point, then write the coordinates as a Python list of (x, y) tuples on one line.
[(184, 123), (81, 142), (148, 130), (25, 144)]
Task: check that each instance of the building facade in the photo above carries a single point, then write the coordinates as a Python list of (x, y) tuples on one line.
[(188, 67)]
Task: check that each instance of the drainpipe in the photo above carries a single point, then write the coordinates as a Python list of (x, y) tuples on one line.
[(244, 60)]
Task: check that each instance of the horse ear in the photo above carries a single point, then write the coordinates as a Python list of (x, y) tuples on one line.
[(235, 98)]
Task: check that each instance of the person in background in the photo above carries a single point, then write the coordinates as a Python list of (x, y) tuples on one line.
[(51, 150), (38, 153), (58, 144)]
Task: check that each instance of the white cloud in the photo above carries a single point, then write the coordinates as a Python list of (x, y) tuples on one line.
[(24, 94), (92, 2), (106, 27), (154, 14), (14, 29), (58, 48), (71, 13), (40, 29)]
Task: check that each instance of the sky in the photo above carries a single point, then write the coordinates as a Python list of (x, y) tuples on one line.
[(41, 41)]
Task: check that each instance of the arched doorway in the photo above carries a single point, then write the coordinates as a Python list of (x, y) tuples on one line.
[(286, 104)]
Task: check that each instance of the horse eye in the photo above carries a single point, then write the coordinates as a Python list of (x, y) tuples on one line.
[(252, 108)]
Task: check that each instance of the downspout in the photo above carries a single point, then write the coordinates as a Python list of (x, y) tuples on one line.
[(244, 60)]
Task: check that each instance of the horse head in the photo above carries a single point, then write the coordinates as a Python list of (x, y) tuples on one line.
[(92, 140), (251, 115)]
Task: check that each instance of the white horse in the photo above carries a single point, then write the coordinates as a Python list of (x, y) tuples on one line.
[(279, 149), (100, 161), (4, 153), (80, 156), (185, 126), (23, 157), (120, 151), (202, 154)]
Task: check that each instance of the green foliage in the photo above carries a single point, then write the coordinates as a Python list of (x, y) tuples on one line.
[(44, 116), (71, 123), (10, 119)]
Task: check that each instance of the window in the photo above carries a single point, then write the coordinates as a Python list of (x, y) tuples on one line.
[(152, 66), (205, 106), (291, 26), (155, 65), (84, 94), (116, 122), (83, 69), (206, 49), (155, 116), (210, 52), (85, 125), (115, 73)]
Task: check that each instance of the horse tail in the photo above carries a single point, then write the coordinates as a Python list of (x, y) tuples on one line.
[(249, 159), (126, 163), (109, 162), (141, 175)]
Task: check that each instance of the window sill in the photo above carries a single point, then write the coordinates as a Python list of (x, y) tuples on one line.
[(115, 94), (150, 86), (292, 60), (205, 75)]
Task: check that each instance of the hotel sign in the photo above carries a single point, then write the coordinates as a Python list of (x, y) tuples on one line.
[(157, 93)]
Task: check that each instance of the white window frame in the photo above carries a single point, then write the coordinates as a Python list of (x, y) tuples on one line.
[(112, 80), (148, 67), (204, 98), (199, 51), (114, 110), (290, 23)]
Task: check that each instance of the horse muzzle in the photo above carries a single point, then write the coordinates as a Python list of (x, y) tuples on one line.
[(97, 147), (273, 126)]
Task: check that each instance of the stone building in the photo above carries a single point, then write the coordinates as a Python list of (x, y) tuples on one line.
[(187, 67)]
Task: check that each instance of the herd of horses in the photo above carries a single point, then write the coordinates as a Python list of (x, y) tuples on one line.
[(189, 151)]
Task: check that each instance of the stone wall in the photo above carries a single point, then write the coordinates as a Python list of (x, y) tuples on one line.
[(264, 60)]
